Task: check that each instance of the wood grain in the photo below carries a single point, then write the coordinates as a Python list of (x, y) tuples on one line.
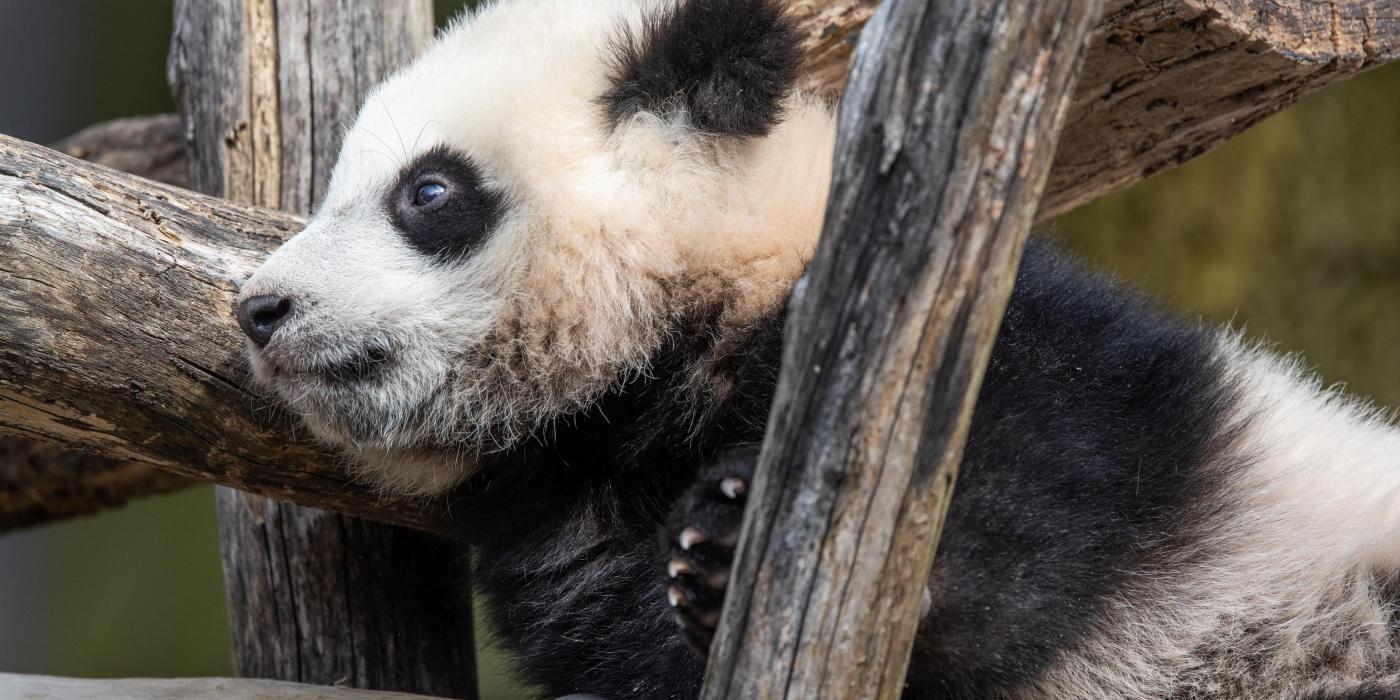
[(946, 135), (151, 146), (19, 687), (314, 596), (39, 482), (1165, 81), (117, 337)]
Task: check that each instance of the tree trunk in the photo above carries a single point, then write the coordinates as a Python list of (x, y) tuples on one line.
[(314, 596), (946, 135)]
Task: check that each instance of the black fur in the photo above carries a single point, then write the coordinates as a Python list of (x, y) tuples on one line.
[(1088, 464), (458, 223), (1365, 692), (728, 63)]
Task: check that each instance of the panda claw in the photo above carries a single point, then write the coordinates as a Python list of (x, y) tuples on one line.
[(733, 487), (690, 537), (677, 597), (677, 567)]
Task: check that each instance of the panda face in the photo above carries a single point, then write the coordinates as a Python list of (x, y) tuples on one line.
[(519, 219)]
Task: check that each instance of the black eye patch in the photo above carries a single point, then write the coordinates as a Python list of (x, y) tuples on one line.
[(442, 205)]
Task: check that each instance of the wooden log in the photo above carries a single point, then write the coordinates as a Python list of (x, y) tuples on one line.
[(52, 688), (1165, 80), (39, 482), (318, 597), (117, 338), (151, 146), (314, 596), (946, 135)]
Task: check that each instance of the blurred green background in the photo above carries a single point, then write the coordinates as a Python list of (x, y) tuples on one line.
[(1291, 231)]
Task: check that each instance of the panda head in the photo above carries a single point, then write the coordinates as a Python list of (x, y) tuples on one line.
[(520, 218)]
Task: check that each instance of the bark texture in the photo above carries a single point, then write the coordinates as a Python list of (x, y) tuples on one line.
[(151, 146), (314, 596), (1165, 80), (318, 597), (41, 483), (946, 135), (117, 337)]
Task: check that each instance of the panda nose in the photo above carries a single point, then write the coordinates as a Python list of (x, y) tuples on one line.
[(259, 317)]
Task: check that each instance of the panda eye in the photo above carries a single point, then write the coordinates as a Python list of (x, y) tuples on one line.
[(429, 193), (443, 205)]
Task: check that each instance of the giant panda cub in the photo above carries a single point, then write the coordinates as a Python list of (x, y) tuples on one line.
[(549, 277)]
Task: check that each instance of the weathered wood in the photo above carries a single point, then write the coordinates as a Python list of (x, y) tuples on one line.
[(40, 483), (947, 131), (117, 338), (318, 597), (265, 87), (152, 146), (17, 687), (1165, 80)]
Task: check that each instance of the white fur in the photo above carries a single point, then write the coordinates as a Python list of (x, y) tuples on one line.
[(610, 236), (1281, 596)]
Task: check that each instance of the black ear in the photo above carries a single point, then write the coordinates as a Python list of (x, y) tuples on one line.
[(729, 63)]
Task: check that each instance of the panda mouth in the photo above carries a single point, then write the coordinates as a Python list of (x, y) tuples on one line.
[(363, 364)]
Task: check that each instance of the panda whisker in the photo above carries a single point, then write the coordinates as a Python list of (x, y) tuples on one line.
[(377, 152), (403, 149), (422, 129), (398, 161)]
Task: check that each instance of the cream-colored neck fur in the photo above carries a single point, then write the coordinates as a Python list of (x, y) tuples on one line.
[(675, 224)]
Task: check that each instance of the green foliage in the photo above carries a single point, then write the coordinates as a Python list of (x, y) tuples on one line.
[(132, 592), (1291, 230), (132, 75)]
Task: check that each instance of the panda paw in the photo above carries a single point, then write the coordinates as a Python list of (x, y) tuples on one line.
[(698, 544)]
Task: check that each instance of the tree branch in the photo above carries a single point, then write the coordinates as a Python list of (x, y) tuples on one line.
[(40, 483), (1164, 80), (151, 146), (945, 138)]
